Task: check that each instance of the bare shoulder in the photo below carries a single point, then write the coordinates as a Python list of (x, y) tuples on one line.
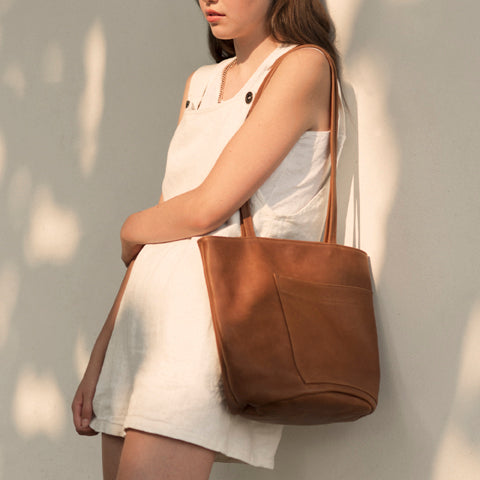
[(303, 73), (188, 82), (305, 63), (301, 88), (309, 57)]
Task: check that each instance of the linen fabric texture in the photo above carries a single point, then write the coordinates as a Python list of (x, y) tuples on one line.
[(161, 372)]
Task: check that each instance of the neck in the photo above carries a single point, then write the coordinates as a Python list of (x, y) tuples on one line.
[(251, 51)]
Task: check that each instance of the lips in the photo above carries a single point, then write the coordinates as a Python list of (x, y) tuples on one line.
[(213, 16), (213, 13)]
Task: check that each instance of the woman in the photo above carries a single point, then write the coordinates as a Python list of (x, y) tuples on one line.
[(152, 384)]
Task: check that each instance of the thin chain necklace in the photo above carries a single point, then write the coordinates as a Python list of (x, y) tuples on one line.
[(224, 77)]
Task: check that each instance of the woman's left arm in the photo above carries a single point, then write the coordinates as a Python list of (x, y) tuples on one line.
[(297, 99)]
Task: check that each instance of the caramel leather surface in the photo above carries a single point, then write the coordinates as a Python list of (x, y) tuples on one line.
[(294, 320)]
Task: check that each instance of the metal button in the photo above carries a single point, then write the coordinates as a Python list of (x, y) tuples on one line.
[(249, 97)]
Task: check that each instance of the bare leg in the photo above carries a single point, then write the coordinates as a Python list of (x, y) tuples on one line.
[(153, 457), (111, 451)]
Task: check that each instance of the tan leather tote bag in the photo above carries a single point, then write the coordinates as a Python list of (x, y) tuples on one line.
[(294, 320)]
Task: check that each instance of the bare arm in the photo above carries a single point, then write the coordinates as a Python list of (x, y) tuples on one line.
[(134, 247), (82, 402), (289, 106)]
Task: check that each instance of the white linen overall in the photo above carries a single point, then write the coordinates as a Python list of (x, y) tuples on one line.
[(161, 372)]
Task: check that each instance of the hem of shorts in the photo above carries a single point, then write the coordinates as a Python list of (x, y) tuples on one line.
[(173, 431)]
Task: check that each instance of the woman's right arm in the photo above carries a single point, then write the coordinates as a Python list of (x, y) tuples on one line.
[(82, 402), (290, 106), (136, 247)]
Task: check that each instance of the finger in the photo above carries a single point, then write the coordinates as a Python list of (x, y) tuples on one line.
[(87, 412), (77, 411), (88, 432), (82, 421), (81, 415)]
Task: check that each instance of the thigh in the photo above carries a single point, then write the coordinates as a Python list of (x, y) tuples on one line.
[(148, 456), (111, 452)]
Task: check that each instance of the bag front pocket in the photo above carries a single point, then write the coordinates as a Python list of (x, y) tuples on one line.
[(332, 332)]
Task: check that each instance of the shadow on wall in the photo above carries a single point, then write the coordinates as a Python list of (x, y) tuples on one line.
[(414, 70), (89, 96), (421, 55)]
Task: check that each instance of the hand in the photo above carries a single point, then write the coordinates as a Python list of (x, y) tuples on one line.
[(130, 248), (82, 405), (130, 251)]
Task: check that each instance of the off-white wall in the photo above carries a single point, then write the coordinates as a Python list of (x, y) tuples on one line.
[(89, 94)]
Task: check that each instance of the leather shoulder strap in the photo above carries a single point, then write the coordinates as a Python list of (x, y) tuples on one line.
[(330, 232)]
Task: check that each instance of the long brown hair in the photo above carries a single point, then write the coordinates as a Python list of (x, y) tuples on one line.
[(289, 21)]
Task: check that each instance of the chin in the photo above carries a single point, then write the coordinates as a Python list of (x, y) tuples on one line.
[(217, 33), (222, 37)]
